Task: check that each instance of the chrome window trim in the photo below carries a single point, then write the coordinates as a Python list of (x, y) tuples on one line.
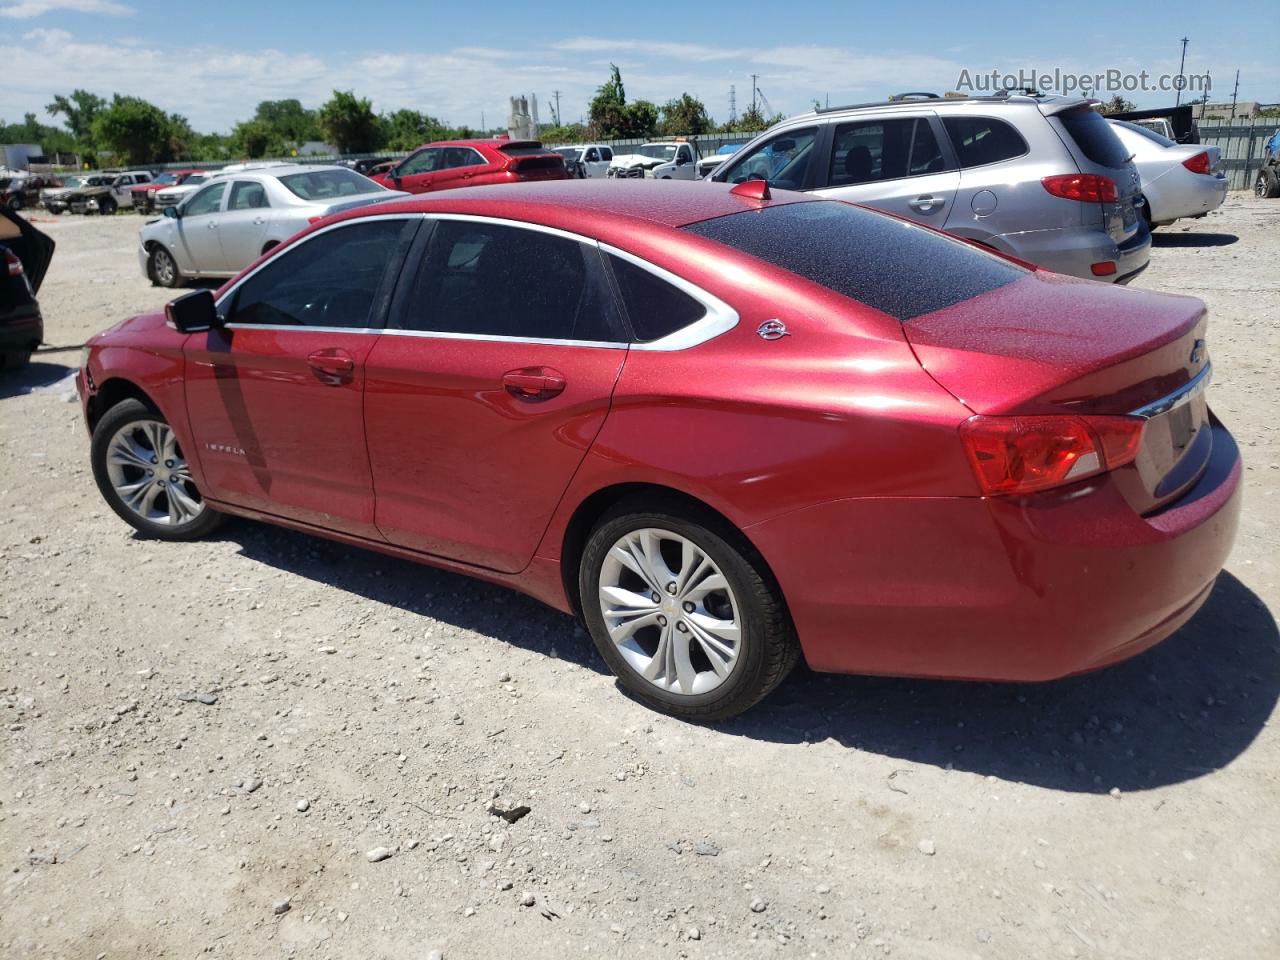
[(1182, 395), (719, 317), (494, 338)]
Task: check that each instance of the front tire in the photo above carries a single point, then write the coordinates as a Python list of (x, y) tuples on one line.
[(164, 270), (1267, 186), (684, 611), (144, 477)]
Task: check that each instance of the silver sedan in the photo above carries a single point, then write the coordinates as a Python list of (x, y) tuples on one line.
[(234, 218), (1178, 180)]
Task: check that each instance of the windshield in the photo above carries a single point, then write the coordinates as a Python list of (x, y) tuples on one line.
[(864, 255), (96, 182), (329, 184), (662, 151), (74, 182), (569, 153), (194, 179), (165, 179)]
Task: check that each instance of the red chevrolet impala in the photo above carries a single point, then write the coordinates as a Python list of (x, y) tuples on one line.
[(724, 428)]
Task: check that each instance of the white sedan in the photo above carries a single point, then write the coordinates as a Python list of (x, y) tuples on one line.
[(1178, 180), (234, 218)]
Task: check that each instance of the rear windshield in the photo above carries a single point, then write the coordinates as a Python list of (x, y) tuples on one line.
[(1152, 135), (329, 184), (523, 149), (1096, 140), (893, 266)]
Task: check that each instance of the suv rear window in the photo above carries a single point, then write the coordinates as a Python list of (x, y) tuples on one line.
[(1096, 140), (895, 267), (983, 140)]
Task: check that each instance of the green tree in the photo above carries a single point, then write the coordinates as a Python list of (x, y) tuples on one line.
[(753, 121), (80, 110), (686, 116), (406, 129), (252, 139), (288, 120), (607, 114), (640, 119), (349, 123), (1116, 104), (567, 133), (134, 130)]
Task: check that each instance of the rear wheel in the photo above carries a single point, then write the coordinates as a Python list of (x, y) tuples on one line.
[(144, 476), (164, 271), (684, 612), (106, 206), (1268, 184), (15, 203)]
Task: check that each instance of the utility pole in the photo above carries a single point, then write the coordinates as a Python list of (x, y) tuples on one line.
[(1233, 95), (483, 128), (1181, 66), (733, 106), (754, 78), (556, 94)]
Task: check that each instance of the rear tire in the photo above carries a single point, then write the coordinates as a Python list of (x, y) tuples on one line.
[(716, 641), (15, 203), (15, 359), (106, 206), (144, 477), (1267, 185)]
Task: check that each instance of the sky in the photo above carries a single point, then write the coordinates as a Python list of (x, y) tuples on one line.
[(460, 62)]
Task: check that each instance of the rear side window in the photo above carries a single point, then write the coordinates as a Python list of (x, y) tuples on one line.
[(493, 280), (655, 307), (1096, 140), (982, 140), (462, 157), (872, 150), (330, 280), (247, 195), (896, 267)]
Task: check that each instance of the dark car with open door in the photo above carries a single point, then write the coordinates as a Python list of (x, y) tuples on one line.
[(25, 253)]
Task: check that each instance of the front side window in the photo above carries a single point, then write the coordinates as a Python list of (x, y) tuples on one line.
[(494, 280), (208, 200), (247, 195), (655, 308), (330, 280), (683, 155), (983, 140), (783, 161), (424, 161), (870, 150)]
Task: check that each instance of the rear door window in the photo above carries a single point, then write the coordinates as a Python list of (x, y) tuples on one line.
[(982, 140), (893, 149), (462, 157), (1096, 140), (492, 280), (247, 195)]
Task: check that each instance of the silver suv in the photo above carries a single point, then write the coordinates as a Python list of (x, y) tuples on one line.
[(1042, 178)]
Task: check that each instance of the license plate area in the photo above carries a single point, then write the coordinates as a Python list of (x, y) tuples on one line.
[(1176, 446)]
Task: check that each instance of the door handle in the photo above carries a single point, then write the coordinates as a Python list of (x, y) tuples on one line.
[(925, 204), (212, 226), (259, 221), (534, 383), (333, 367)]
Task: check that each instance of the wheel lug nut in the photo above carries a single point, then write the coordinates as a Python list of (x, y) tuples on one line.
[(671, 589), (656, 598), (682, 627), (168, 463), (662, 621), (154, 460), (688, 606)]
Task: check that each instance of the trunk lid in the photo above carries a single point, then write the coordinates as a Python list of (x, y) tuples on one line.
[(1049, 344), (1096, 149)]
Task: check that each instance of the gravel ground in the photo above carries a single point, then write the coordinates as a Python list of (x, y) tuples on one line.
[(327, 789)]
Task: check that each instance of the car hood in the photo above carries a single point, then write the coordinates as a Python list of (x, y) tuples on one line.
[(637, 160), (32, 247)]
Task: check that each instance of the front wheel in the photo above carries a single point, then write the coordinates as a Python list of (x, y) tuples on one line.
[(144, 476), (106, 206), (1267, 185), (164, 272), (684, 612), (15, 203)]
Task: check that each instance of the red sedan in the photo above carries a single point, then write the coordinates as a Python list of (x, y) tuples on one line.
[(473, 163), (726, 430)]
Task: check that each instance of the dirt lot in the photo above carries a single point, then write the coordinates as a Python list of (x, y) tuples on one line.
[(364, 702)]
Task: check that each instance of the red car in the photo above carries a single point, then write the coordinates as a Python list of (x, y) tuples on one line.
[(144, 196), (473, 163), (726, 429)]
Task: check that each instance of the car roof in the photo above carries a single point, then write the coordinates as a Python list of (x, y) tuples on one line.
[(496, 143), (933, 102)]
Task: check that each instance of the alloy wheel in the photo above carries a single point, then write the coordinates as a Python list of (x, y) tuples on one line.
[(670, 611), (164, 268), (150, 476)]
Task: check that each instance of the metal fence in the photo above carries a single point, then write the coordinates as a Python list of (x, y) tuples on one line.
[(1243, 145)]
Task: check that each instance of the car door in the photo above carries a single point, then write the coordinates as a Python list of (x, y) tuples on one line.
[(458, 165), (120, 188), (276, 394), (419, 170), (685, 168), (606, 158), (492, 380), (594, 162), (198, 244), (895, 164), (785, 160), (243, 226)]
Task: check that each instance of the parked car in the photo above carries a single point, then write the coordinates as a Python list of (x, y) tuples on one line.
[(108, 195), (471, 163), (1267, 184), (54, 199), (234, 218), (23, 190), (799, 427), (585, 160), (708, 164), (1042, 178), (1177, 181), (660, 160), (173, 195), (144, 195), (25, 253), (361, 164)]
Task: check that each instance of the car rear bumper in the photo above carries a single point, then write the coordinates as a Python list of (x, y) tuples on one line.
[(1074, 251), (1000, 589), (1190, 195)]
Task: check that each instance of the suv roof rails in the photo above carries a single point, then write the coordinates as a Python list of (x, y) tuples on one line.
[(915, 95), (919, 97)]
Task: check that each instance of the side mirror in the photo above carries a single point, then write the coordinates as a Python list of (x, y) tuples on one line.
[(172, 213), (193, 312)]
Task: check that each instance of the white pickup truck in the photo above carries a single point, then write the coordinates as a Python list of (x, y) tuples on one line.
[(660, 160), (586, 160)]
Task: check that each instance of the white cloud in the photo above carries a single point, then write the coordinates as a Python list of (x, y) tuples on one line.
[(26, 9)]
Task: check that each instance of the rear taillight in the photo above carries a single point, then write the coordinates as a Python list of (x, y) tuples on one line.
[(13, 264), (1198, 164), (1085, 187), (1019, 455)]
